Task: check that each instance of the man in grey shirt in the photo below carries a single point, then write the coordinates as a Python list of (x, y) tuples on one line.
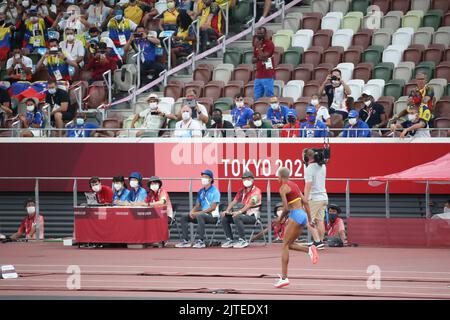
[(316, 193)]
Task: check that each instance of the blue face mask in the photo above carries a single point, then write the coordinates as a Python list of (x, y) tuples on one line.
[(119, 17), (80, 122), (311, 118)]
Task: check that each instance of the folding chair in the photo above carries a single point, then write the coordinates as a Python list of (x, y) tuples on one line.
[(174, 221), (259, 224), (218, 223)]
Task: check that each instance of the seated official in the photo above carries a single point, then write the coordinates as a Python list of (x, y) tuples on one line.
[(121, 192), (206, 210), (356, 128), (28, 225), (250, 198), (137, 193), (158, 197), (103, 193), (335, 227)]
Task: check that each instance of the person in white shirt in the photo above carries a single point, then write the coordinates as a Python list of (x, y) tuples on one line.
[(316, 193), (322, 113), (187, 127), (337, 91), (97, 14), (73, 20), (19, 67), (73, 48)]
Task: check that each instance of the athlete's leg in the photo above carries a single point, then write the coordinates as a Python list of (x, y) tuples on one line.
[(291, 234)]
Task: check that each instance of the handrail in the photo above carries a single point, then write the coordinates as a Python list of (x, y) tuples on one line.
[(137, 55), (108, 80), (168, 48)]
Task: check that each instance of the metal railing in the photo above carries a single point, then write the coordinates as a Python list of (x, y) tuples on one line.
[(268, 192)]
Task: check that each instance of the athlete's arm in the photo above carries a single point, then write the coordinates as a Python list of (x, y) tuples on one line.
[(283, 191)]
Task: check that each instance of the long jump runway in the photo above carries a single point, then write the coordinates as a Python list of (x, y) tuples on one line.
[(45, 270)]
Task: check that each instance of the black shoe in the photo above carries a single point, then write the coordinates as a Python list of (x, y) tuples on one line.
[(319, 245)]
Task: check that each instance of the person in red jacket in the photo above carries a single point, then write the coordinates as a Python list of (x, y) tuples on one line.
[(292, 128), (104, 194), (100, 63)]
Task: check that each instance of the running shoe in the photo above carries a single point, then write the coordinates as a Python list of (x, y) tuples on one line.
[(199, 244), (313, 254), (242, 243), (281, 282), (319, 245), (228, 244), (183, 244)]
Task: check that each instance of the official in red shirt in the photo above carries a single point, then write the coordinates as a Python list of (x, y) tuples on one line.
[(292, 128), (103, 193), (263, 50), (28, 224)]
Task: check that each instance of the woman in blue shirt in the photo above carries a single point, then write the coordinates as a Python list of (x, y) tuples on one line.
[(121, 193), (33, 119), (137, 193)]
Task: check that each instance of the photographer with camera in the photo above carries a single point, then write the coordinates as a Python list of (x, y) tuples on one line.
[(34, 26), (100, 62), (19, 67), (198, 111), (315, 192), (337, 91), (152, 117), (57, 62), (146, 43)]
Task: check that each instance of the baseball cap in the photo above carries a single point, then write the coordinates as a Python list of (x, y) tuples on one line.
[(310, 110), (208, 173), (367, 93), (353, 114), (135, 175), (291, 113), (248, 174)]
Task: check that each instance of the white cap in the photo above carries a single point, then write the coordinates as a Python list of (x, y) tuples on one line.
[(367, 93), (153, 95)]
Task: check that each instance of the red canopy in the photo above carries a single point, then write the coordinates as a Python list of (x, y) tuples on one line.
[(437, 171)]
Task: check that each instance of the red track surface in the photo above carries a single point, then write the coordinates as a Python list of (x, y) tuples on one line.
[(241, 273)]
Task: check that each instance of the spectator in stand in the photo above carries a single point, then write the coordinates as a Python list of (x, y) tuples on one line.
[(184, 37), (157, 197), (19, 67), (6, 110), (241, 113), (121, 192), (134, 10), (28, 225), (111, 51), (206, 210), (313, 128), (415, 99), (147, 44), (5, 37), (120, 29), (32, 119), (210, 23), (73, 48), (103, 193), (337, 91), (97, 14), (249, 198), (373, 113), (335, 227), (259, 128), (34, 26), (187, 127), (100, 63), (199, 112), (425, 91), (322, 113), (11, 11), (356, 128), (153, 117), (137, 192), (57, 62), (277, 113), (263, 50), (61, 109), (72, 18), (169, 17), (292, 128), (415, 126), (92, 39), (220, 124), (80, 128)]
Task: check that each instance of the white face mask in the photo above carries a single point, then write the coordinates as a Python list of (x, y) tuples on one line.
[(153, 105), (70, 37), (239, 104), (31, 210), (257, 123), (30, 108), (26, 3), (205, 181), (367, 103), (17, 56), (117, 186), (248, 183), (185, 115), (336, 83), (411, 116), (352, 121), (275, 106), (97, 188), (154, 187), (315, 102), (134, 183)]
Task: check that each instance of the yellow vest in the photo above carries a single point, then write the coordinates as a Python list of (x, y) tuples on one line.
[(41, 27)]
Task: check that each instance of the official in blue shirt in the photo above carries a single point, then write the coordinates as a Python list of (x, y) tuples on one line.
[(356, 128), (206, 210), (137, 193), (277, 113), (312, 128), (241, 114), (121, 193)]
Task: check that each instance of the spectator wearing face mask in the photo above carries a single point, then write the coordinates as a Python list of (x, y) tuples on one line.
[(28, 224), (292, 128), (152, 118), (32, 119), (57, 62), (206, 210), (158, 197), (415, 126), (277, 113), (134, 10), (263, 50), (250, 198), (73, 48), (187, 127), (103, 193), (6, 110), (137, 192), (169, 17), (199, 112), (337, 91), (120, 28), (61, 109), (356, 128), (322, 113), (100, 63), (121, 192), (241, 113), (80, 128), (219, 124), (19, 67), (313, 128), (210, 20), (97, 14), (5, 37), (415, 99), (72, 19), (373, 113), (335, 227), (259, 128), (425, 91), (34, 27)]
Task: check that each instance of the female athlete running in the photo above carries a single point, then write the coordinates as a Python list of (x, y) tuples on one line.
[(295, 205)]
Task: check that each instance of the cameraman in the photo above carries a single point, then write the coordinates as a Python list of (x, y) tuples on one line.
[(315, 192), (146, 43), (337, 91), (99, 63), (199, 111), (56, 62)]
